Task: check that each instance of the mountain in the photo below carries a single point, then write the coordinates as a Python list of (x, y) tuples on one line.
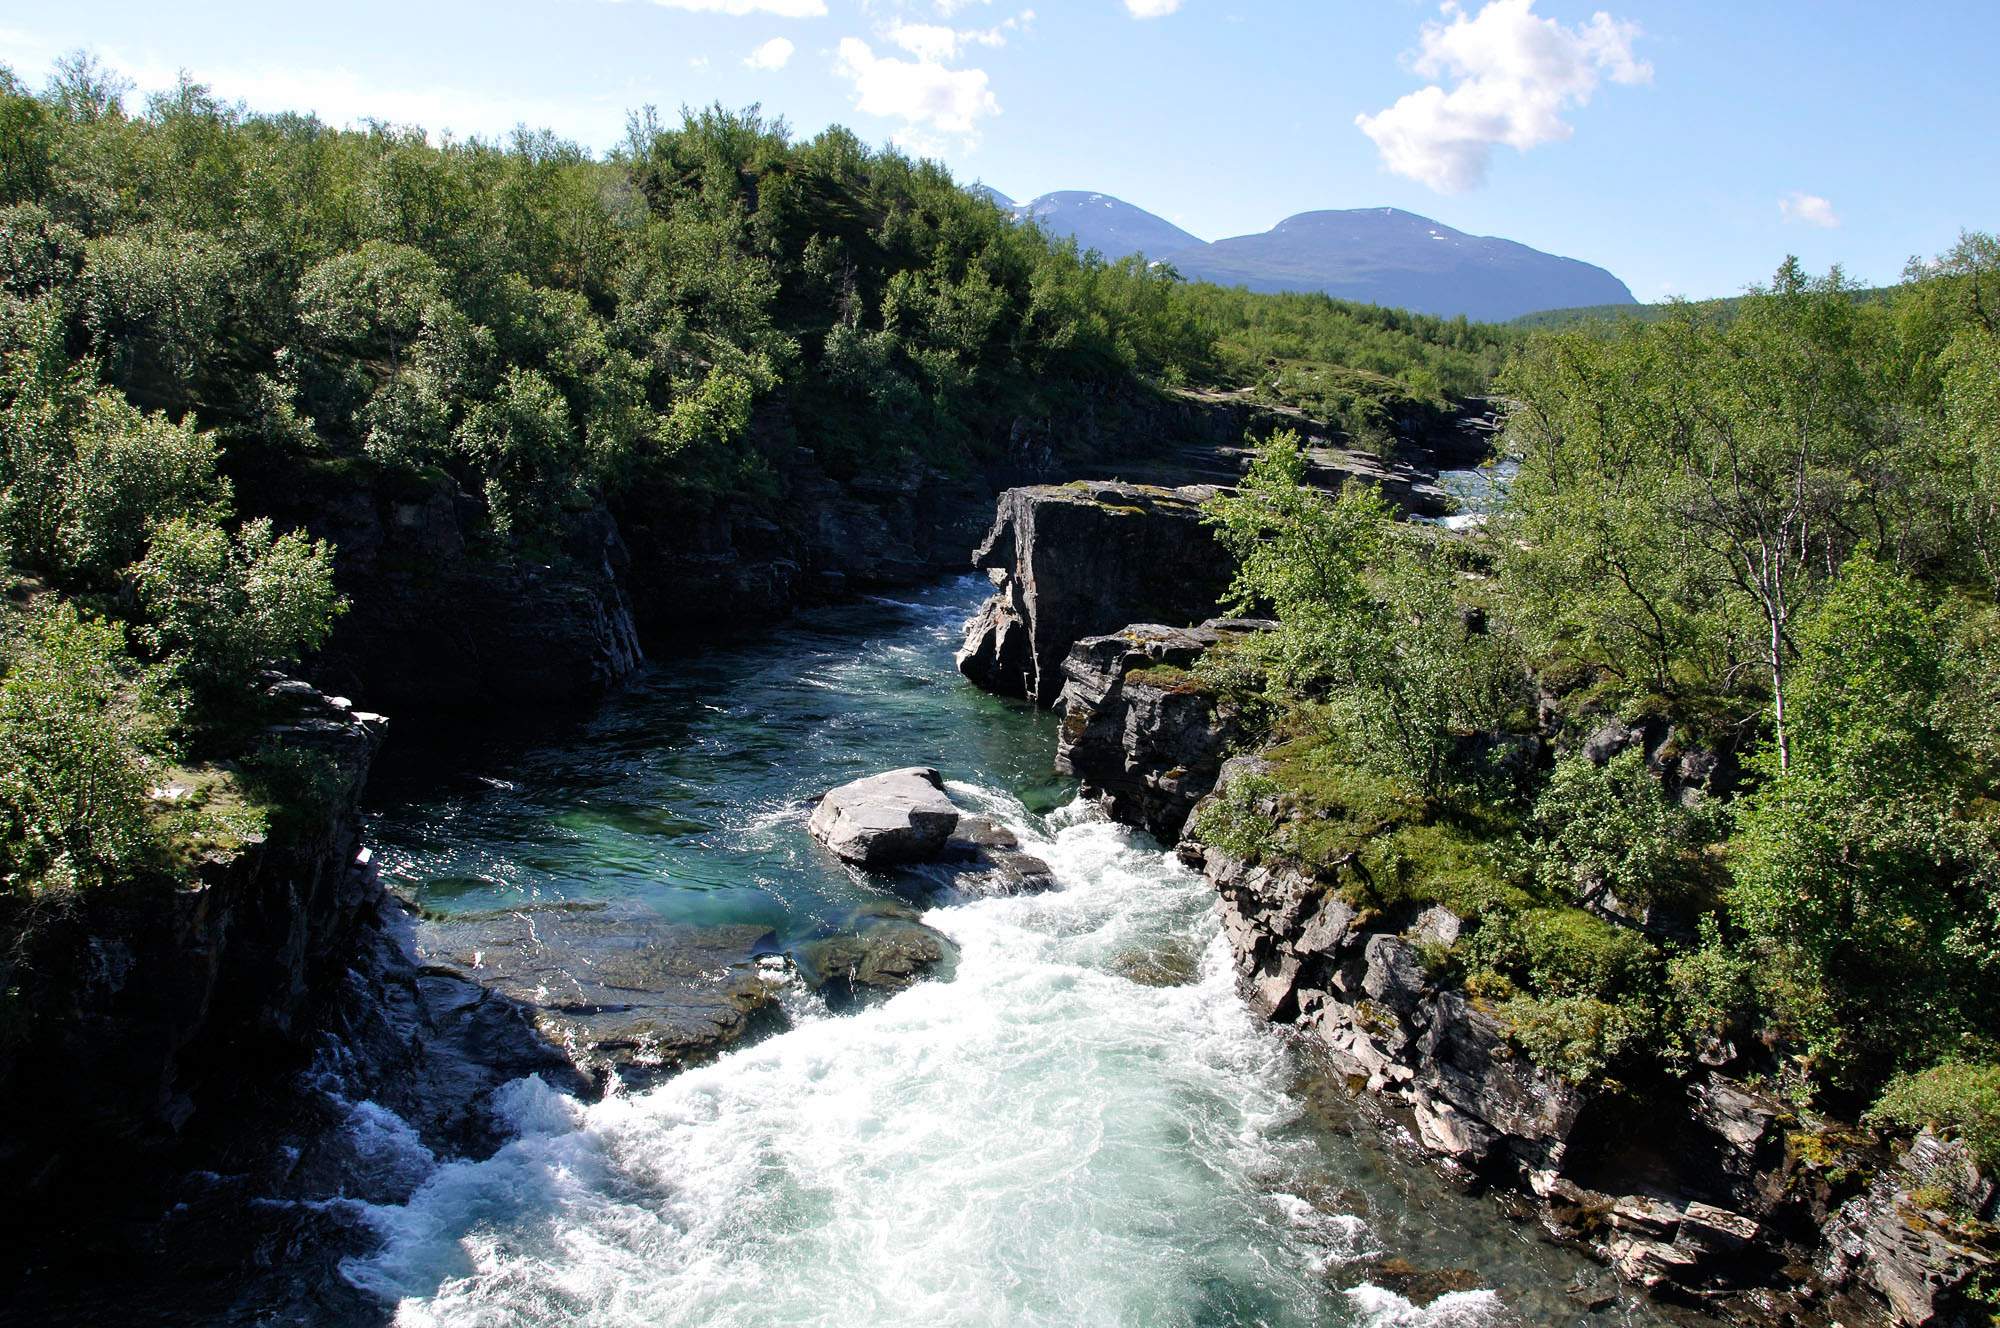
[(1372, 255), (1396, 258), (1098, 221)]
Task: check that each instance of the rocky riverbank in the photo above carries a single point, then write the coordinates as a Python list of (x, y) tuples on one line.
[(1148, 554), (1708, 1190)]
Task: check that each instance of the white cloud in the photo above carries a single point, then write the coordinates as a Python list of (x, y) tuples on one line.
[(341, 96), (1152, 8), (926, 41), (1809, 209), (771, 55), (920, 92), (937, 43), (1514, 75), (782, 8)]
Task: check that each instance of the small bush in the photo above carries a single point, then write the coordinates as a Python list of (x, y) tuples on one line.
[(1612, 828), (82, 736), (1578, 1037), (221, 607), (298, 788), (1236, 822), (1954, 1098), (1562, 952)]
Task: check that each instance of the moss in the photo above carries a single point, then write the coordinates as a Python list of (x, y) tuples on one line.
[(206, 813), (1167, 678)]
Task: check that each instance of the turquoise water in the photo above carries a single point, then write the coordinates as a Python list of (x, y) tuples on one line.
[(1041, 1140)]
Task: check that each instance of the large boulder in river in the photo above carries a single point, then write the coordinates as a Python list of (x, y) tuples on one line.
[(885, 820)]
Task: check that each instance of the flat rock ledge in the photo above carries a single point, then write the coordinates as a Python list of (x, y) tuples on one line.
[(886, 820)]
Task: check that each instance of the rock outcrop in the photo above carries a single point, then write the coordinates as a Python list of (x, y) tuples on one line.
[(1070, 561), (984, 858), (886, 820), (134, 997), (445, 615), (1712, 1192), (1144, 736)]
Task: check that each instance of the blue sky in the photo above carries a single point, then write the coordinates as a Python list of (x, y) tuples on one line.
[(1686, 146)]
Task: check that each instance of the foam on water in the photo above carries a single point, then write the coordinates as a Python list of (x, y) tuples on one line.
[(1039, 1141)]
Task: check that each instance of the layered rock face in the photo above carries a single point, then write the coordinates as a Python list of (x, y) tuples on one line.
[(443, 615), (1710, 1190), (1144, 739), (1070, 561)]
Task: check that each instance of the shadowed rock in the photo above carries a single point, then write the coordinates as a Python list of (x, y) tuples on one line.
[(984, 858)]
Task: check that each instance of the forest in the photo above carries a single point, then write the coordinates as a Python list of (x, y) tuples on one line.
[(198, 303)]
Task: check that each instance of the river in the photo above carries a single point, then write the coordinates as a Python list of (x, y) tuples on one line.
[(1048, 1136)]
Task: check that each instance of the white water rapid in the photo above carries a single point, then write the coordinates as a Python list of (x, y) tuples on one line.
[(1040, 1141)]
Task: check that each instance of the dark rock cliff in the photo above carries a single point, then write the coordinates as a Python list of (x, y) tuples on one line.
[(127, 999), (1147, 553), (445, 615), (1146, 741)]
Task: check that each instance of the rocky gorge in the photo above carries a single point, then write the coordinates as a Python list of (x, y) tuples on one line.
[(558, 922), (1710, 1191)]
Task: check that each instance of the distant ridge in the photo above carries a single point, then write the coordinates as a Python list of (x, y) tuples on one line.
[(1109, 225), (1380, 256), (1388, 256)]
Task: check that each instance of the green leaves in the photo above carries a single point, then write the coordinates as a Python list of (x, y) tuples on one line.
[(220, 608), (1370, 617), (1865, 866), (83, 733)]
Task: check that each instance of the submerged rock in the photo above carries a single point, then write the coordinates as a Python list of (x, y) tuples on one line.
[(884, 820), (889, 956), (618, 988)]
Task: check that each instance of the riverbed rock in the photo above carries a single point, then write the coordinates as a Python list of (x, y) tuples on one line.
[(887, 956), (886, 820), (621, 990), (983, 858), (1068, 561)]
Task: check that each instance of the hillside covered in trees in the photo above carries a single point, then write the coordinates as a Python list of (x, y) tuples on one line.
[(200, 307), (1697, 732)]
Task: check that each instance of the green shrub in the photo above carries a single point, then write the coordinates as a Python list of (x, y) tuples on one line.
[(1578, 1037), (1709, 989), (1955, 1098), (298, 789), (83, 734), (220, 608), (1235, 823), (1562, 952), (1612, 828)]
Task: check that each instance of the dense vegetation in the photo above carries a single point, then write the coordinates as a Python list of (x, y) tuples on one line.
[(199, 305), (1749, 561), (1372, 371)]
